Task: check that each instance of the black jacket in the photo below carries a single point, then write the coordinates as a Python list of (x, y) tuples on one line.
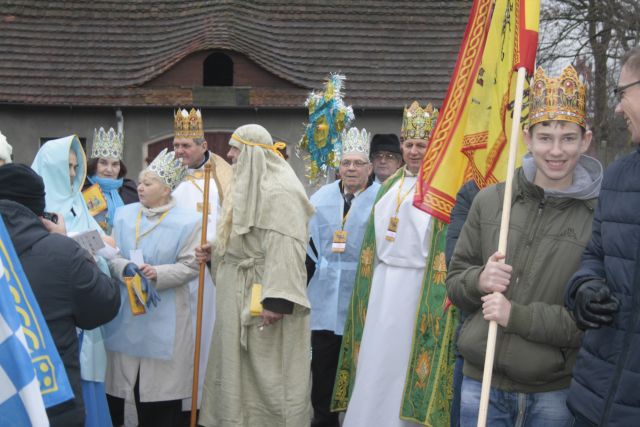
[(129, 192), (606, 376), (70, 289), (464, 198)]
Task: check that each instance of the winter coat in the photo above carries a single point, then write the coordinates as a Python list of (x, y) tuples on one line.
[(71, 292), (535, 352), (605, 387)]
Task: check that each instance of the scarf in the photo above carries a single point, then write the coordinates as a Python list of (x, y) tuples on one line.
[(111, 190)]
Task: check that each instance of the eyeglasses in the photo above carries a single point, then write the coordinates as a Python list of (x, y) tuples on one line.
[(619, 91), (387, 156), (356, 163)]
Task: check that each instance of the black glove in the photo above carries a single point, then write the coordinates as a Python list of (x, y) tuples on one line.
[(595, 305)]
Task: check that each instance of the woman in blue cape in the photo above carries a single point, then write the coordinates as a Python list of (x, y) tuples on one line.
[(108, 171), (150, 355), (62, 165)]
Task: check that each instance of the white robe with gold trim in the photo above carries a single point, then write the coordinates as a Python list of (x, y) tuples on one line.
[(393, 302), (188, 195)]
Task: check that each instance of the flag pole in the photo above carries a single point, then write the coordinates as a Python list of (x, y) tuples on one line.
[(502, 243), (203, 270)]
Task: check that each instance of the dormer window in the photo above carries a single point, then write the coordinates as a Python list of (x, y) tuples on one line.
[(217, 70)]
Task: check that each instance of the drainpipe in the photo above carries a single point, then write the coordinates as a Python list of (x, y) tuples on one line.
[(120, 120)]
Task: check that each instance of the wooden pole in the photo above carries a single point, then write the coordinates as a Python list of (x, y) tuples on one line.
[(502, 243), (203, 270)]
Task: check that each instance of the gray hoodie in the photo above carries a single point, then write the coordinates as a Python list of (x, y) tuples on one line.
[(587, 178)]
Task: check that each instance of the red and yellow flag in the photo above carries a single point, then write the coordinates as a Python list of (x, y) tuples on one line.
[(470, 138)]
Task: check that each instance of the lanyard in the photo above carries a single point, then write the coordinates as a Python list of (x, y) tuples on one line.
[(399, 200), (139, 219), (344, 219)]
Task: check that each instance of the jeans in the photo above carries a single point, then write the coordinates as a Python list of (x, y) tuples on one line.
[(457, 380), (508, 409)]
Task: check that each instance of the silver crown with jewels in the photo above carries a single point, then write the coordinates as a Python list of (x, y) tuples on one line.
[(355, 141), (170, 170), (107, 145)]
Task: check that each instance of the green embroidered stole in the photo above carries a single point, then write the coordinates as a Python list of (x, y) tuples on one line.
[(429, 381)]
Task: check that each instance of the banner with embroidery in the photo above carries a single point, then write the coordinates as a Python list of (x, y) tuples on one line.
[(428, 386)]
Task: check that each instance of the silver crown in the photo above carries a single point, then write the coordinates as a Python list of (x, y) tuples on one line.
[(107, 145), (355, 141), (168, 168)]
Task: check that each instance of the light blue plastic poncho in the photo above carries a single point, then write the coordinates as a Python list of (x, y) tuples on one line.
[(332, 283), (64, 198), (150, 335)]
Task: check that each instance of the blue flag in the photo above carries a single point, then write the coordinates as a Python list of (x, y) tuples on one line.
[(27, 351)]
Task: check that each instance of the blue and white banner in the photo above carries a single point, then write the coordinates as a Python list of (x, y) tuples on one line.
[(32, 375)]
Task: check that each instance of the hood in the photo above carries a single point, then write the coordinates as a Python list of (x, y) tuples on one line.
[(63, 197), (587, 178), (23, 225)]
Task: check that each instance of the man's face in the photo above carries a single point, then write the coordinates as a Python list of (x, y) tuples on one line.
[(354, 172), (385, 163), (233, 154), (413, 150), (556, 149), (73, 166), (629, 102), (191, 153)]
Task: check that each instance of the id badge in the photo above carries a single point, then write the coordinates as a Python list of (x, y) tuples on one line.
[(339, 243), (392, 229)]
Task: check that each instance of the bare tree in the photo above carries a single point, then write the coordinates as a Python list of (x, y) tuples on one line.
[(593, 35)]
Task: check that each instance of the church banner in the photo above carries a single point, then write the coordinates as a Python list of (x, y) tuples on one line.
[(470, 138)]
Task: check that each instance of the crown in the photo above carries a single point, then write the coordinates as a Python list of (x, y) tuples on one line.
[(418, 122), (188, 125), (354, 141), (557, 98), (168, 168), (108, 145)]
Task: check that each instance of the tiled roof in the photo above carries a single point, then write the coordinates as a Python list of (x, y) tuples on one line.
[(102, 52)]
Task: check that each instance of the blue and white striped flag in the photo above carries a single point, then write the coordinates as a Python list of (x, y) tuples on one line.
[(32, 375), (20, 399)]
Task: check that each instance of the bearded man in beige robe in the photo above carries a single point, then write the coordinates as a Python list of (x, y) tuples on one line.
[(258, 372)]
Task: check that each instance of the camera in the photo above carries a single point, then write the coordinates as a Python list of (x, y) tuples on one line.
[(50, 216)]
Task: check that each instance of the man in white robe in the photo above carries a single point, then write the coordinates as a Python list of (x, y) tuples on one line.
[(190, 145), (398, 253)]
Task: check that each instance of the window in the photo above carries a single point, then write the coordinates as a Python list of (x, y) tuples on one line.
[(218, 70)]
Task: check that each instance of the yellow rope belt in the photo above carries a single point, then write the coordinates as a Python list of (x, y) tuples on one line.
[(275, 147)]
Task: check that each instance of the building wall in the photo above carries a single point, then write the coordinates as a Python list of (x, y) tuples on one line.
[(25, 125)]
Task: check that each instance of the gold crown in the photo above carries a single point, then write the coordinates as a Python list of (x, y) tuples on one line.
[(188, 125), (418, 122), (169, 169), (107, 145), (557, 98)]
